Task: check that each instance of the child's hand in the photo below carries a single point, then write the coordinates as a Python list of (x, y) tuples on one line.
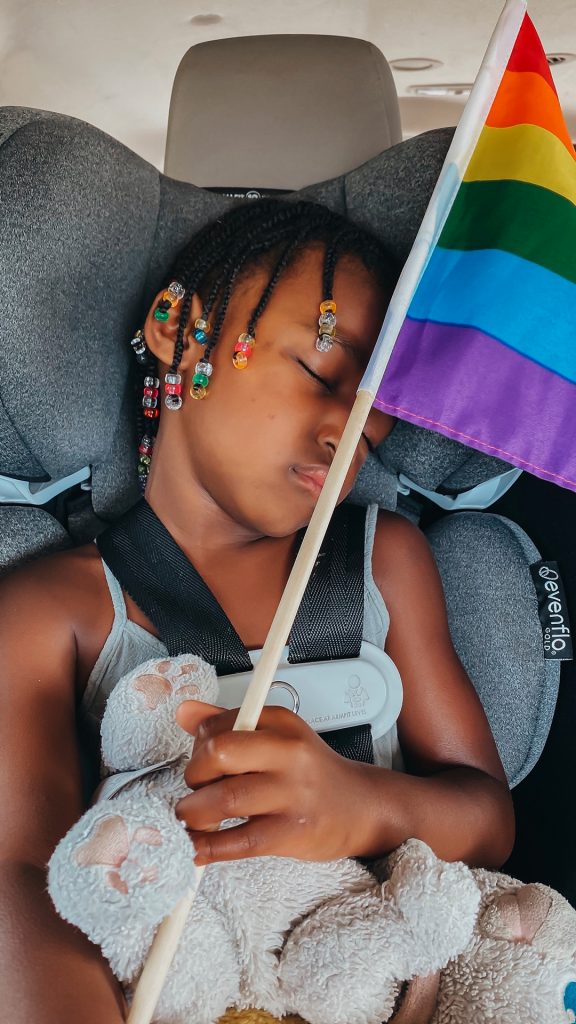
[(303, 800)]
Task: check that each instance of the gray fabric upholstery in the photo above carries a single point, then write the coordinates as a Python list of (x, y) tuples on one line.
[(26, 533), (431, 459), (87, 230), (260, 129), (499, 638)]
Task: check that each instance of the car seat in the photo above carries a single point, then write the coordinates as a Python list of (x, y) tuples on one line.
[(87, 231)]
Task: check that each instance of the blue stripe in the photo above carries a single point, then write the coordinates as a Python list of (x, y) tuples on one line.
[(525, 306)]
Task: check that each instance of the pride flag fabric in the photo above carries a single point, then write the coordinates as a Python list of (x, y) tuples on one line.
[(479, 342)]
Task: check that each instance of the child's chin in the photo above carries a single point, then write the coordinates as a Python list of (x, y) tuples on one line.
[(284, 522)]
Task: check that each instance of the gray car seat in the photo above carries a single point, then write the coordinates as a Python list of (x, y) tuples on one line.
[(87, 232)]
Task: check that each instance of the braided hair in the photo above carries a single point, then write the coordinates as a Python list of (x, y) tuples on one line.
[(268, 234)]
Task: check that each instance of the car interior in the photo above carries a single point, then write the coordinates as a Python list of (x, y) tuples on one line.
[(87, 226)]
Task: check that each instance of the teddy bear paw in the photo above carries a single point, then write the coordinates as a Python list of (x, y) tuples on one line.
[(118, 872), (139, 726)]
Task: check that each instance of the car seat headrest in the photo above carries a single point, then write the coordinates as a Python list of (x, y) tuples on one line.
[(88, 231), (261, 125)]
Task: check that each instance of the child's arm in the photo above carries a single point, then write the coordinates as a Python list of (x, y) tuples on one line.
[(306, 801), (49, 972)]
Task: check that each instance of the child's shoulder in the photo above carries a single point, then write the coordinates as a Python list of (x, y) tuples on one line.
[(63, 593), (396, 537), (70, 571), (402, 555)]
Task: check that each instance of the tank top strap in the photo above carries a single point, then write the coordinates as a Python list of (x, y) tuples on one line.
[(120, 614), (376, 615)]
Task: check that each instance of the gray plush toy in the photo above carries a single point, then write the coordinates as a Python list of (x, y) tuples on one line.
[(414, 940)]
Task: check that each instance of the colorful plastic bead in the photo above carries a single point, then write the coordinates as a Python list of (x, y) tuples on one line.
[(240, 360), (202, 379), (177, 289), (201, 337), (324, 343), (202, 325), (138, 343), (151, 392), (243, 346), (173, 389), (149, 402), (330, 330), (328, 306), (170, 299), (152, 414), (145, 449), (151, 382), (247, 339), (161, 314), (204, 367), (173, 402), (327, 320), (145, 460), (198, 391)]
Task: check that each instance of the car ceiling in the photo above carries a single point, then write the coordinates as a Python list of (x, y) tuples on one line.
[(113, 63)]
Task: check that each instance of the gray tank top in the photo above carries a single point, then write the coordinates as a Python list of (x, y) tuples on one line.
[(128, 645)]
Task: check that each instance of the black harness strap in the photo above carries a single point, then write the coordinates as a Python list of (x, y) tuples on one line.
[(160, 579)]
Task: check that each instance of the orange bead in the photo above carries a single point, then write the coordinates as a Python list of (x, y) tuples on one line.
[(328, 306), (240, 360), (169, 297)]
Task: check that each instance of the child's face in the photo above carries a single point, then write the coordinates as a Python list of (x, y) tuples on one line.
[(261, 442)]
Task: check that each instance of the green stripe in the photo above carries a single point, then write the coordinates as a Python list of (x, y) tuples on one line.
[(517, 217)]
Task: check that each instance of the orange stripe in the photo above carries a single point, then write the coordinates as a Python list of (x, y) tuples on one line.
[(524, 97)]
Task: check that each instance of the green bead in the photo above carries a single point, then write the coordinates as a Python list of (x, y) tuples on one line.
[(161, 314), (202, 379)]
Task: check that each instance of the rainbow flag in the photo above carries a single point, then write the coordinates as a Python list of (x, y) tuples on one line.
[(479, 342)]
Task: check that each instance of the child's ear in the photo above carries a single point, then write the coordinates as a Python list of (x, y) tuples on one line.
[(161, 334)]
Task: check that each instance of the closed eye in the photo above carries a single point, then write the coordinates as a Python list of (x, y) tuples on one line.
[(321, 380), (329, 387)]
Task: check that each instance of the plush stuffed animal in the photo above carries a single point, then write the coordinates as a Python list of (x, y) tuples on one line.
[(414, 940)]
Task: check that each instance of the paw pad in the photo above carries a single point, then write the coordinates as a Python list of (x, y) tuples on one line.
[(109, 845)]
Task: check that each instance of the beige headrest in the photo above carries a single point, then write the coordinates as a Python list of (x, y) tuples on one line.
[(279, 111)]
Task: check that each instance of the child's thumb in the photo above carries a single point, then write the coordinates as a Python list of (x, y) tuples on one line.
[(190, 714)]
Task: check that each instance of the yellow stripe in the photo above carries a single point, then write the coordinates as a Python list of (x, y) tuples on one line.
[(524, 152)]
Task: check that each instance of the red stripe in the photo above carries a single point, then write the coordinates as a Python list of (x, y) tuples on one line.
[(528, 53)]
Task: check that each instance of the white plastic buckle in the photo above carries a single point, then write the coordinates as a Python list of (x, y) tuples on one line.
[(478, 497), (330, 695), (22, 492)]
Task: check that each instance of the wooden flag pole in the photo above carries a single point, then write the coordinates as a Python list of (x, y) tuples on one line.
[(168, 935)]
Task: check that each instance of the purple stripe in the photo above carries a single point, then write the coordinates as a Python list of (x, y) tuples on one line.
[(466, 385)]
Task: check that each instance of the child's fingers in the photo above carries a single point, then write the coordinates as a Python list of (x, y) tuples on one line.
[(235, 753), (239, 796), (259, 837), (207, 720)]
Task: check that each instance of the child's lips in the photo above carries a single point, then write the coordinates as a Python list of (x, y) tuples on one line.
[(311, 477)]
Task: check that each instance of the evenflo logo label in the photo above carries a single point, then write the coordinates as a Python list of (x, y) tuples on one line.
[(552, 611)]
